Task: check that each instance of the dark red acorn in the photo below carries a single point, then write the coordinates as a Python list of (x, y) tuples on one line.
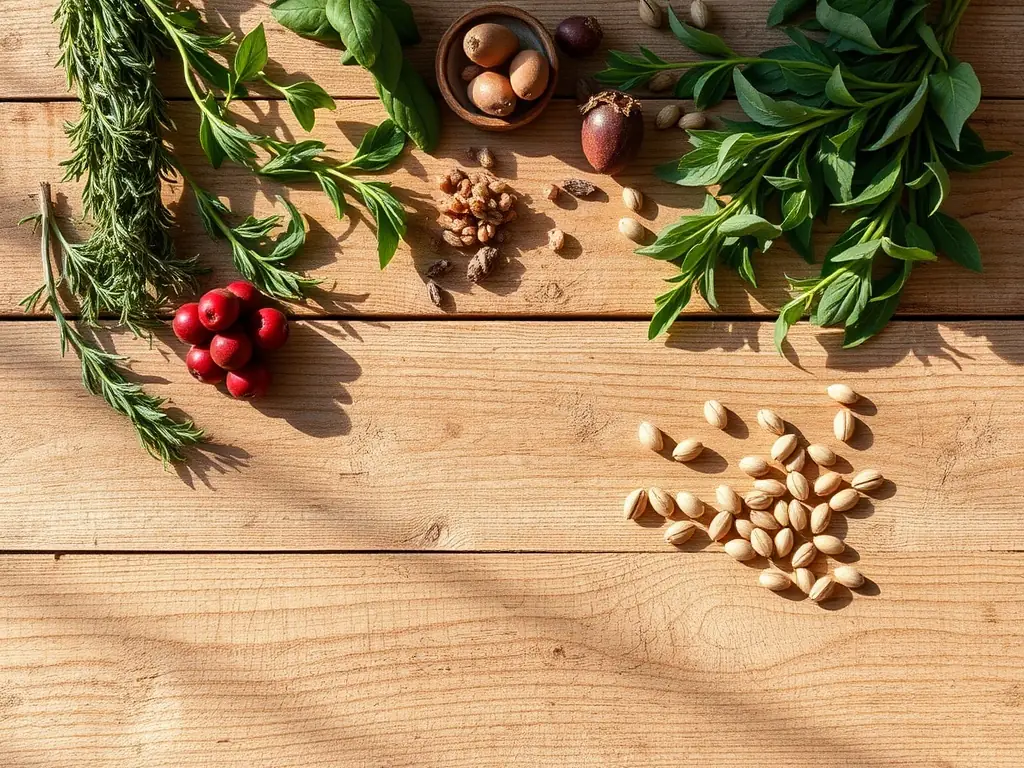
[(613, 127)]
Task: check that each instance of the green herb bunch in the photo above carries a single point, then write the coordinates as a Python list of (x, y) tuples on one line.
[(868, 118), (373, 33)]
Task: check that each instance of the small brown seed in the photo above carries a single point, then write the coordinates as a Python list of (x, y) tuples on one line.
[(754, 466), (842, 393), (798, 486), (693, 121), (690, 505), (715, 414), (844, 425), (485, 157), (744, 528), (827, 483), (821, 455), (845, 500), (435, 294), (687, 450), (762, 519), (452, 239), (821, 518), (783, 447), (578, 187), (661, 502), (804, 579), (728, 500), (781, 513), (650, 13), (784, 542), (848, 576), (700, 14), (632, 198), (439, 268), (720, 525), (556, 240), (551, 192), (830, 545), (481, 264), (662, 81), (650, 436), (680, 532), (636, 504), (796, 461), (632, 229), (799, 516), (770, 486), (667, 117), (804, 555), (762, 542), (822, 589), (757, 499), (776, 581), (771, 422), (867, 480), (740, 549)]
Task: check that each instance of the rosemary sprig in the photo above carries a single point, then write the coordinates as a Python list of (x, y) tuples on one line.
[(161, 435)]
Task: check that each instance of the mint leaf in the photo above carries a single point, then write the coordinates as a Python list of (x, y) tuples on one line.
[(955, 94), (953, 240), (906, 120), (697, 39), (251, 56), (765, 110), (837, 91)]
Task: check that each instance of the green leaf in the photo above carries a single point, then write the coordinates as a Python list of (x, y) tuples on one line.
[(294, 236), (306, 18), (687, 83), (796, 209), (400, 15), (893, 283), (389, 215), (784, 183), (369, 36), (676, 239), (783, 9), (938, 170), (906, 120), (906, 253), (208, 141), (789, 316), (305, 98), (927, 35), (413, 108), (871, 321), (711, 205), (915, 235), (839, 300), (765, 110), (800, 239), (837, 91), (859, 252), (698, 40), (379, 147), (749, 224), (251, 56), (881, 185), (845, 25), (333, 192), (712, 87), (669, 306), (211, 71), (955, 94), (972, 154), (187, 19), (953, 240)]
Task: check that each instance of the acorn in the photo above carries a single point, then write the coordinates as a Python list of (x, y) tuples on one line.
[(613, 127), (579, 36)]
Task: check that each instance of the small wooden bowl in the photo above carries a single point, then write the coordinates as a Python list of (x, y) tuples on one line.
[(451, 60)]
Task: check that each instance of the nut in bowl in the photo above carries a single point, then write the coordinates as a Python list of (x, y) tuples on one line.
[(510, 82)]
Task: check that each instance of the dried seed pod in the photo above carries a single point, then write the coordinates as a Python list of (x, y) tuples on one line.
[(804, 579), (822, 589), (744, 528), (613, 128), (632, 229), (663, 81), (770, 486), (481, 264), (650, 436), (844, 425), (796, 460), (798, 486), (740, 549), (660, 501), (578, 187), (827, 483), (690, 505), (434, 293), (821, 518), (783, 447), (830, 545), (439, 268), (693, 121), (551, 192), (650, 13), (762, 542), (715, 414), (700, 14), (757, 499), (771, 422), (848, 576), (867, 480), (556, 240), (804, 555), (579, 36), (667, 117), (776, 581), (781, 513), (842, 393), (821, 455), (635, 504), (762, 519), (728, 500), (720, 525), (632, 198), (784, 542), (754, 466), (799, 515), (452, 239), (845, 500), (687, 450), (680, 532)]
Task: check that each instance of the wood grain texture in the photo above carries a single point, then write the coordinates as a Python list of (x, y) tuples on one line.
[(507, 436), (988, 39), (499, 660), (596, 274)]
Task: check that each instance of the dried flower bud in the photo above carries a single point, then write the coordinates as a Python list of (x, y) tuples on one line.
[(650, 13), (485, 157), (481, 264), (556, 240), (632, 198), (693, 121), (578, 187), (667, 117), (551, 192), (435, 294), (438, 268), (700, 14), (471, 72), (662, 81)]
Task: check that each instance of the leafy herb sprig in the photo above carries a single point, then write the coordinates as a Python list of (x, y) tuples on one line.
[(869, 121)]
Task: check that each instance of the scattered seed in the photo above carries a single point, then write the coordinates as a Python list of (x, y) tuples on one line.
[(667, 117), (821, 455), (693, 121), (556, 240), (799, 516), (690, 505), (728, 500), (680, 532), (822, 589), (781, 513), (784, 542), (830, 545), (551, 192), (740, 549), (720, 526), (843, 425), (687, 450), (632, 198), (798, 486), (435, 293), (762, 519), (771, 422), (770, 486), (776, 581), (848, 576), (700, 14), (804, 555), (744, 528), (821, 518), (715, 414), (650, 13), (439, 268), (635, 504), (485, 157), (827, 483), (804, 579), (757, 499), (795, 463), (632, 229), (650, 436), (660, 501), (762, 542), (845, 500), (754, 466), (578, 187), (841, 393), (867, 480), (783, 447), (481, 264)]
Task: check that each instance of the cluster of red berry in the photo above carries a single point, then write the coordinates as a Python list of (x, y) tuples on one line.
[(227, 329)]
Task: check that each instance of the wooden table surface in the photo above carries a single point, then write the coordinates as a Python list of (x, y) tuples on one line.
[(412, 552)]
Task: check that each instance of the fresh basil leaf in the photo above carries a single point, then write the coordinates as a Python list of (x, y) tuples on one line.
[(749, 224), (893, 283), (251, 56), (669, 306), (938, 170), (837, 91), (955, 94), (917, 236), (765, 110), (783, 9), (304, 99), (840, 299), (909, 17), (953, 240), (813, 50), (796, 209), (712, 87), (711, 205), (706, 285), (698, 40), (379, 147), (904, 122), (676, 239), (334, 193), (389, 215), (401, 17), (413, 108), (208, 141), (212, 71), (361, 26), (906, 253), (845, 25), (871, 321), (686, 84), (789, 316), (187, 19), (881, 185), (802, 81), (837, 169), (853, 130), (306, 18), (784, 183), (972, 155), (859, 252), (800, 239), (927, 35)]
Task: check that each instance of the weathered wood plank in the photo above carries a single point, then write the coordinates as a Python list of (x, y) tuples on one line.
[(497, 660), (506, 436), (989, 39), (596, 274)]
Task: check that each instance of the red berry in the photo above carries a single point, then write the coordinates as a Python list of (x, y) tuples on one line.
[(218, 309), (250, 382), (187, 326), (268, 328), (200, 364), (249, 295), (231, 349)]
